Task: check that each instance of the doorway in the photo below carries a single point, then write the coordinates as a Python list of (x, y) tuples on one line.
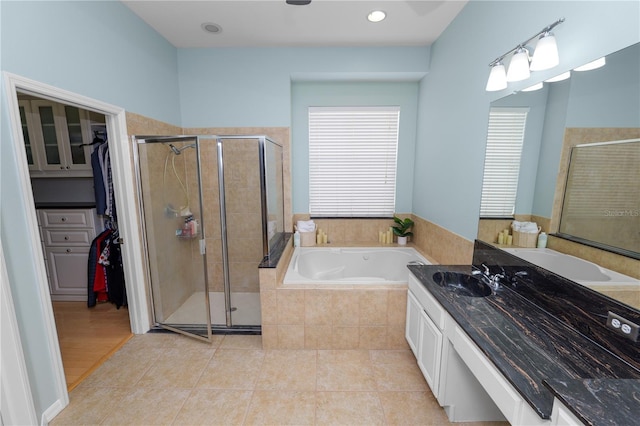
[(60, 142), (41, 342)]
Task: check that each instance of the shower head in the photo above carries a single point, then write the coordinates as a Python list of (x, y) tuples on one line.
[(178, 151), (175, 150)]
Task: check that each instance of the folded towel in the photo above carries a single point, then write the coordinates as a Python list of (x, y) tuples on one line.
[(306, 226), (525, 227)]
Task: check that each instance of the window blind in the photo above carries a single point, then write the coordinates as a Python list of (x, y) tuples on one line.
[(352, 161), (502, 161)]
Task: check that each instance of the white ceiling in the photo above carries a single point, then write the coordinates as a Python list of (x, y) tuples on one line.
[(271, 23)]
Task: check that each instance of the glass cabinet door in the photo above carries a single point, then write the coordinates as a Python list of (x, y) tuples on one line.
[(50, 137), (25, 109), (75, 131)]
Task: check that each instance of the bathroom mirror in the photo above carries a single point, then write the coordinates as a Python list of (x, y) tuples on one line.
[(605, 99)]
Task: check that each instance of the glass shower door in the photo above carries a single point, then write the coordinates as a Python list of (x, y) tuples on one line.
[(171, 208)]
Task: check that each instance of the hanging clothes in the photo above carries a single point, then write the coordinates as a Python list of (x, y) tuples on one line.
[(105, 280), (103, 181)]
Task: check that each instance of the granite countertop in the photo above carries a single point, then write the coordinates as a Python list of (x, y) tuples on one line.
[(534, 350)]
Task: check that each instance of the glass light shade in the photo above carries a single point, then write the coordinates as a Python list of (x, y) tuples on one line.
[(559, 77), (519, 66), (592, 65), (546, 54), (536, 86), (497, 78)]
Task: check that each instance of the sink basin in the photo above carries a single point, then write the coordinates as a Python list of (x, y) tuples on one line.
[(462, 284)]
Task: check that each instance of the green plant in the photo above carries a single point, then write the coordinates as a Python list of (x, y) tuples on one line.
[(402, 227)]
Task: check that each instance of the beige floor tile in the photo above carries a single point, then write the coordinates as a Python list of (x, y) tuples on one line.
[(214, 407), (348, 408), (412, 408), (124, 368), (338, 355), (232, 369), (392, 357), (345, 376), (145, 406), (231, 341), (189, 342), (288, 370), (281, 408), (177, 368), (90, 405), (399, 377)]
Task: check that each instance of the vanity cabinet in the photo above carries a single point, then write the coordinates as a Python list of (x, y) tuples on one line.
[(461, 377), (66, 236), (54, 135), (561, 416)]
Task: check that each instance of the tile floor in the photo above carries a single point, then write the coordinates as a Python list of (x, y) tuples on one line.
[(169, 379)]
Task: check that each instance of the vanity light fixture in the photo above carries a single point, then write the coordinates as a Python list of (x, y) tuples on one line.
[(592, 65), (536, 86), (376, 16), (559, 77), (545, 56)]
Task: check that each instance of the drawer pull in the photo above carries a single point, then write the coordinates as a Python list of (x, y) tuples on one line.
[(66, 237), (63, 219), (68, 250)]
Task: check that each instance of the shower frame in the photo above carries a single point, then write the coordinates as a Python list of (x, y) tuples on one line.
[(262, 141)]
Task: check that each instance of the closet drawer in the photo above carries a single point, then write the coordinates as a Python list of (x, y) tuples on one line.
[(63, 237), (80, 218)]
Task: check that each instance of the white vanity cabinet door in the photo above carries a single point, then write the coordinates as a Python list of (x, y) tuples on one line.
[(430, 352), (412, 330)]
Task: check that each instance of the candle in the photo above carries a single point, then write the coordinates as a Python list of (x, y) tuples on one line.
[(501, 238), (389, 236), (509, 240), (319, 238)]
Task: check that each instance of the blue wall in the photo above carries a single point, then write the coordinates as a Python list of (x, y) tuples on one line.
[(453, 110), (304, 95), (97, 49), (247, 87)]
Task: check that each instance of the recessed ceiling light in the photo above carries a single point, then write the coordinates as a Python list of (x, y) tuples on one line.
[(211, 28), (376, 16)]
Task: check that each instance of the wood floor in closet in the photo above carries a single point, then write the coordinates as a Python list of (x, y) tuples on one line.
[(88, 336)]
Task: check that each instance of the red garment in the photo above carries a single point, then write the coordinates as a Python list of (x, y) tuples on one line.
[(100, 279)]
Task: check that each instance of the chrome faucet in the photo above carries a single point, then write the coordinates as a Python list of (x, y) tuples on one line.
[(494, 280)]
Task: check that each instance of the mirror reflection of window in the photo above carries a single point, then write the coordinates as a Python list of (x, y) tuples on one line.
[(602, 197), (502, 161)]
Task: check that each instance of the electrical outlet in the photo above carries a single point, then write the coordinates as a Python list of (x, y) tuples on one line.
[(623, 326)]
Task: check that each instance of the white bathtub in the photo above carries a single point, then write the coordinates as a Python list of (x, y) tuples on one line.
[(573, 268), (351, 265)]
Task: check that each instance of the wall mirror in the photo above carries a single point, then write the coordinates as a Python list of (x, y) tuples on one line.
[(591, 106)]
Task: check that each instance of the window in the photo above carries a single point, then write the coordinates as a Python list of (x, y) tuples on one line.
[(352, 161), (502, 161)]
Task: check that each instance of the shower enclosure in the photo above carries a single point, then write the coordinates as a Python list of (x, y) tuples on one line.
[(212, 209)]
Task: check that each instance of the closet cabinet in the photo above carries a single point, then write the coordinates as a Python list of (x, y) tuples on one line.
[(66, 239), (54, 135)]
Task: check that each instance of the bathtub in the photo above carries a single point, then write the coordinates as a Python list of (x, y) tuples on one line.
[(573, 268), (351, 265)]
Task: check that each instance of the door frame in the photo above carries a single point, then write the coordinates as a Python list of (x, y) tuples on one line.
[(125, 196)]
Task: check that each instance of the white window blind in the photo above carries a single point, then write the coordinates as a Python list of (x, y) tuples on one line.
[(502, 161), (352, 161)]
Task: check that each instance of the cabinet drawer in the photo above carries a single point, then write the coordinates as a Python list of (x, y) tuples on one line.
[(431, 306), (60, 237), (66, 218)]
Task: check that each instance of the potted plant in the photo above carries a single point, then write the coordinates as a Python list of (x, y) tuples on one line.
[(402, 229)]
